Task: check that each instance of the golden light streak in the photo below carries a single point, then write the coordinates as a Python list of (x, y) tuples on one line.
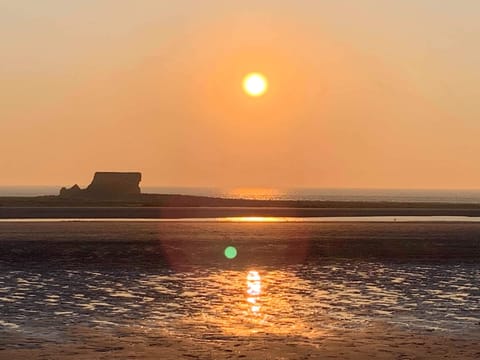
[(254, 289)]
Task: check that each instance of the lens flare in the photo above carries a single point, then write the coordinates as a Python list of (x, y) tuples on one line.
[(230, 252)]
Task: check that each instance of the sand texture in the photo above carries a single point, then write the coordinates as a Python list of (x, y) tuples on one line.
[(133, 290), (376, 341)]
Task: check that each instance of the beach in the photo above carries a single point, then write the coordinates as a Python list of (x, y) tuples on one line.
[(378, 341), (239, 180), (165, 289)]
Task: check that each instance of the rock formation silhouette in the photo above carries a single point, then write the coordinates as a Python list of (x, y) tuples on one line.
[(107, 185)]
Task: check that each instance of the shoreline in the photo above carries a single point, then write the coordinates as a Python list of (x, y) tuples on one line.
[(201, 212), (219, 220)]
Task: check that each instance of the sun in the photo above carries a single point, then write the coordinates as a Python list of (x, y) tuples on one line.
[(255, 84)]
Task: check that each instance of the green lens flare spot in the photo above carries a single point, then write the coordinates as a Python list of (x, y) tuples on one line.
[(230, 252)]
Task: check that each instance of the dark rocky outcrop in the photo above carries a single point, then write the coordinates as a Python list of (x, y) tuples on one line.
[(107, 185), (74, 191)]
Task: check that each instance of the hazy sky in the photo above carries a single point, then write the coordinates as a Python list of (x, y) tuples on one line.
[(362, 93)]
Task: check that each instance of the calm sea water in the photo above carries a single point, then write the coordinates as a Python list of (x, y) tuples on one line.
[(402, 195)]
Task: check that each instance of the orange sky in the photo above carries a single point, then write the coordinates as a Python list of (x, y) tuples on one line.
[(361, 94)]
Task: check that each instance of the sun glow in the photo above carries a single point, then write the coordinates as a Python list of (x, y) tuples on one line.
[(255, 84)]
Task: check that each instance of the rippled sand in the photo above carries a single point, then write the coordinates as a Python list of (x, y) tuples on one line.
[(166, 291), (375, 341)]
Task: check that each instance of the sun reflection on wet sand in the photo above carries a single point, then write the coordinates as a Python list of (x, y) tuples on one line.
[(250, 305), (254, 302), (254, 289)]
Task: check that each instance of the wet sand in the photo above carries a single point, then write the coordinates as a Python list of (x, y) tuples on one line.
[(80, 290), (262, 243), (377, 341), (179, 212)]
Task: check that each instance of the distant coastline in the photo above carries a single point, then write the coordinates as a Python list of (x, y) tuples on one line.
[(466, 196), (117, 195)]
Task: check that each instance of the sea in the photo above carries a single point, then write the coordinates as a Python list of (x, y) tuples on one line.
[(325, 194)]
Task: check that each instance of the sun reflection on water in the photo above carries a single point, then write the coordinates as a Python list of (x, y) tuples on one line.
[(254, 289), (255, 219), (243, 303), (254, 193)]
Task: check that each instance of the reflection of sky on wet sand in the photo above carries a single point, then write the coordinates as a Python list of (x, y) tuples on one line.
[(307, 301)]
